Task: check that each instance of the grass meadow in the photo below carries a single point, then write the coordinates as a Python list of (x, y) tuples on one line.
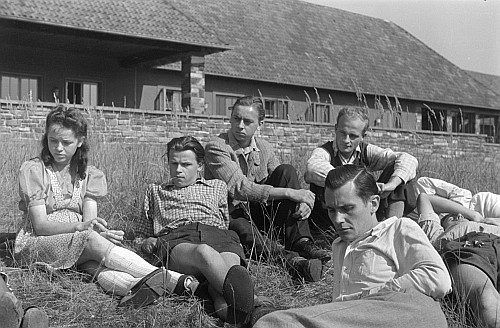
[(71, 300)]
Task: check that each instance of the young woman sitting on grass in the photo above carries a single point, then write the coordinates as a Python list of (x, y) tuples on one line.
[(59, 194), (186, 221)]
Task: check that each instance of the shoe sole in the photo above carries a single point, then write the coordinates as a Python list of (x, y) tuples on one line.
[(35, 318), (238, 292), (148, 290), (314, 269), (9, 311)]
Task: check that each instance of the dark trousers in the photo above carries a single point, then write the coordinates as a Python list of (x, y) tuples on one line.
[(404, 192), (275, 218)]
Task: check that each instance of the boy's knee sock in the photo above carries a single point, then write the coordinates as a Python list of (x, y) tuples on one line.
[(116, 282), (122, 259)]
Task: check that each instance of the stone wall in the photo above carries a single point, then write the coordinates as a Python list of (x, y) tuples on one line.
[(291, 139)]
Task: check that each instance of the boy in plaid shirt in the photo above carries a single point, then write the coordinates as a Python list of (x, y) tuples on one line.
[(186, 220)]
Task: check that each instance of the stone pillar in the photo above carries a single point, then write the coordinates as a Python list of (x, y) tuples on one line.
[(193, 84)]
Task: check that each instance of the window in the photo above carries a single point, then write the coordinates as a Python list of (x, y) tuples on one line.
[(168, 100), (224, 104), (276, 108), (489, 125), (463, 122), (18, 87), (82, 93), (433, 119), (319, 112)]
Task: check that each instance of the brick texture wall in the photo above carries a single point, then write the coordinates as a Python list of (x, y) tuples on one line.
[(107, 124)]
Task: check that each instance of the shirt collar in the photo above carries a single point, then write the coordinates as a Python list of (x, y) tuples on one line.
[(238, 149), (354, 154), (375, 231)]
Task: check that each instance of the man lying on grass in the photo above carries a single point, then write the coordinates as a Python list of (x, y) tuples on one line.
[(387, 274), (186, 220), (470, 247)]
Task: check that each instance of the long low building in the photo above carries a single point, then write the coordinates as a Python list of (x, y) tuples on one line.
[(304, 60)]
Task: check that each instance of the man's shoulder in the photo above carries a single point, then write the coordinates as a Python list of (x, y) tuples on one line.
[(222, 138), (263, 143), (399, 226)]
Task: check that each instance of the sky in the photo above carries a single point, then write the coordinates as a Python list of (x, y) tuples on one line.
[(466, 32)]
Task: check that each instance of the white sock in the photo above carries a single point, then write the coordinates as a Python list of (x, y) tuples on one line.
[(116, 282), (122, 259)]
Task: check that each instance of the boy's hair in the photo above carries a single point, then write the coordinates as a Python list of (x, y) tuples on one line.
[(254, 102), (355, 112), (69, 118), (187, 143), (364, 181)]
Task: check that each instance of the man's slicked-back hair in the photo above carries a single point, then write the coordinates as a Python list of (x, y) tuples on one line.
[(364, 181), (254, 102), (354, 112), (187, 143)]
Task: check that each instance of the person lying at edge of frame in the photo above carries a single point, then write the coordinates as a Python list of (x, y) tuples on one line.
[(487, 204), (470, 249), (59, 193), (387, 274), (12, 314), (185, 222)]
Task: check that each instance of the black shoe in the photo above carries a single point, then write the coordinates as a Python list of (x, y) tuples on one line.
[(306, 248), (302, 268), (262, 306)]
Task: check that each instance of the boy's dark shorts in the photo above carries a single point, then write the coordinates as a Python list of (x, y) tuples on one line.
[(403, 193), (198, 233), (479, 249)]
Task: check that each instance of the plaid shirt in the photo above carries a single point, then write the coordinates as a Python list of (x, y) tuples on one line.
[(244, 170), (405, 165), (167, 207)]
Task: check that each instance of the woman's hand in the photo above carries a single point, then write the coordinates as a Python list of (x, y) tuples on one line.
[(114, 236), (97, 224)]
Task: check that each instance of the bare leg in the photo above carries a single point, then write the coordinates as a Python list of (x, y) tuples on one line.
[(474, 284), (395, 209), (204, 260)]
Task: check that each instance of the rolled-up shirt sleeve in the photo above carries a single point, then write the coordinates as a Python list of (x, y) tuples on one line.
[(405, 165), (318, 166), (222, 163)]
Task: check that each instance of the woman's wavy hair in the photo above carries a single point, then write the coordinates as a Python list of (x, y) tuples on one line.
[(69, 118)]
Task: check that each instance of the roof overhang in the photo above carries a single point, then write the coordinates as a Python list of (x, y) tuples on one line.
[(127, 50)]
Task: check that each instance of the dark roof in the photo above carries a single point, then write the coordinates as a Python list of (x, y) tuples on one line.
[(149, 19), (488, 80), (298, 43)]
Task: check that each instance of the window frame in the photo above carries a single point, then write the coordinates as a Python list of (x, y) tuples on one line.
[(21, 77), (227, 112), (276, 112), (98, 84), (162, 91)]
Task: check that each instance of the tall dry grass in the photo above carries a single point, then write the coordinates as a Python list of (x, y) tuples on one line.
[(72, 301)]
